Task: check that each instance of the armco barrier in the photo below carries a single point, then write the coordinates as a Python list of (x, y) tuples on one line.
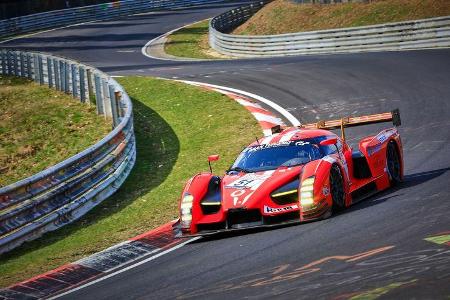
[(97, 12), (418, 34), (66, 191)]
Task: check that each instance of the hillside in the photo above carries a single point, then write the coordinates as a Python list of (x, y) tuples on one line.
[(284, 16)]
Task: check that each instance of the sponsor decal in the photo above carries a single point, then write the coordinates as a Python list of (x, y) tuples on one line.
[(383, 136), (274, 210), (329, 159), (325, 191), (374, 149), (274, 145), (236, 194)]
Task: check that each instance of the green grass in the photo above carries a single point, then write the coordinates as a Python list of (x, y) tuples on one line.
[(177, 127), (40, 127), (285, 16), (191, 42)]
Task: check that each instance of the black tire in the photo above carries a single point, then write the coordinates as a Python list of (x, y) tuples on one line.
[(393, 163), (337, 188)]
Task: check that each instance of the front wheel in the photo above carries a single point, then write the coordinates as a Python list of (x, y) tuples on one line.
[(393, 164), (337, 188)]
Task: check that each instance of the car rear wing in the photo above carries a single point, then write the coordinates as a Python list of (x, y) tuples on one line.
[(393, 116)]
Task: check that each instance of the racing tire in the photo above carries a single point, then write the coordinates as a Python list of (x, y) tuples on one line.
[(337, 188), (393, 164)]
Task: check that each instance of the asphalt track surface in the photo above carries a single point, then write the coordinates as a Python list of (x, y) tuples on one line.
[(375, 246)]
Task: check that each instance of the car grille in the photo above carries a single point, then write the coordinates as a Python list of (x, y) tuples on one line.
[(242, 218)]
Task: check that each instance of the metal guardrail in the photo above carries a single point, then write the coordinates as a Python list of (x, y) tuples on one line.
[(417, 34), (66, 191), (52, 19)]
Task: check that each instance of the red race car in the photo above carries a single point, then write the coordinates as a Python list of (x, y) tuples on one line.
[(296, 174)]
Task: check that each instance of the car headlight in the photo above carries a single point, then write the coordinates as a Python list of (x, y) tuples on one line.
[(307, 192), (186, 210)]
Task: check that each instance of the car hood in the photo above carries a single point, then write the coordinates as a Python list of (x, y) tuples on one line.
[(250, 190)]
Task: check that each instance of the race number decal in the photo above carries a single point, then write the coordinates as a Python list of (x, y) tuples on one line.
[(250, 181)]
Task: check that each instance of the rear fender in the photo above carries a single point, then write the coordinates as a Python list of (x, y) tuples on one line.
[(374, 149)]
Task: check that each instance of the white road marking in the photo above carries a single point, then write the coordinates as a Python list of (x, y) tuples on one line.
[(127, 268), (144, 49), (247, 103), (293, 120), (267, 118)]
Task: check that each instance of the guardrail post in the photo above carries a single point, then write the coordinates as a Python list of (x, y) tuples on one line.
[(35, 68), (29, 67), (118, 96), (16, 63), (22, 64), (41, 70), (62, 77), (49, 72), (82, 85), (66, 78), (4, 59), (91, 95), (106, 101), (113, 103), (10, 72), (55, 71), (74, 81), (98, 95)]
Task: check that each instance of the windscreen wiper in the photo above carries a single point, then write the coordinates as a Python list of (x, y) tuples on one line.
[(238, 169)]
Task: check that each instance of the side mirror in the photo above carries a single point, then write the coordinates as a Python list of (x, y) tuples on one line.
[(211, 158), (329, 142)]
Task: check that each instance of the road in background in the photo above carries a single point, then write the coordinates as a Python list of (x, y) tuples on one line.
[(376, 247)]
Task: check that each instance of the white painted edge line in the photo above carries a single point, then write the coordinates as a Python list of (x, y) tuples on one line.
[(247, 103), (67, 26), (293, 120), (267, 118), (144, 49), (127, 268)]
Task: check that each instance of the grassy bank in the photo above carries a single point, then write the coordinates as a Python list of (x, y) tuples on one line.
[(176, 127), (284, 16), (190, 42), (40, 127)]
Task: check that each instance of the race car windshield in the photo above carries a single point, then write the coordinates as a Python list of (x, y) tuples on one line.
[(272, 156)]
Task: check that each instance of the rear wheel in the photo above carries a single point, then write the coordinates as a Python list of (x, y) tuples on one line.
[(393, 163), (337, 188)]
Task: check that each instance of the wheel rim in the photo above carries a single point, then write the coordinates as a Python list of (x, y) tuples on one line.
[(393, 163), (337, 190)]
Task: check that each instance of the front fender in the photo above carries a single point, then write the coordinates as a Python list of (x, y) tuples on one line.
[(197, 186), (322, 195)]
